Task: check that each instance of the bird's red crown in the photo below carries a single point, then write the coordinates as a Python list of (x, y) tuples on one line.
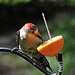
[(27, 25)]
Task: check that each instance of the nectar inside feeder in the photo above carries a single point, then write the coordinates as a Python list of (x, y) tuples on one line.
[(51, 47)]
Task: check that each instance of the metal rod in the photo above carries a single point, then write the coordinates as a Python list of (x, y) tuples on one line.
[(47, 26), (3, 49), (26, 58)]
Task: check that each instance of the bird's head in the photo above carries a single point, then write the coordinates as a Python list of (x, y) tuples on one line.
[(31, 28)]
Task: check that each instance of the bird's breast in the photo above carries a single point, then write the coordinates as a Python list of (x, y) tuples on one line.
[(32, 40)]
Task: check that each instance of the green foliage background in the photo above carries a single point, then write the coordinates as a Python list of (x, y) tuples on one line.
[(62, 23), (71, 2)]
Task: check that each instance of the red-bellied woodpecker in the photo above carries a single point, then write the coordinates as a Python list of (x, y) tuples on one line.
[(29, 39)]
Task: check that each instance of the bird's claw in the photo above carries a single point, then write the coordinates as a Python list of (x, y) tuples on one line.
[(15, 48)]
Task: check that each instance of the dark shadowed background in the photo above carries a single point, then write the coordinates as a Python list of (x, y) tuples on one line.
[(60, 15)]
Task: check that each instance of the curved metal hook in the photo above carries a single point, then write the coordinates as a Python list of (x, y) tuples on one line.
[(60, 66)]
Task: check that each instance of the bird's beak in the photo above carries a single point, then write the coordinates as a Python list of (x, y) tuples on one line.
[(38, 34)]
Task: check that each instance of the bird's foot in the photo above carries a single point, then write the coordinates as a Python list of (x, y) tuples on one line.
[(15, 48), (21, 51)]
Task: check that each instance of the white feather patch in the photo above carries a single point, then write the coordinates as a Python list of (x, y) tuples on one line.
[(22, 34)]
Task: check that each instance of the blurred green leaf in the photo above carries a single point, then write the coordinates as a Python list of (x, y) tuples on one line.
[(71, 2), (1, 0), (20, 1)]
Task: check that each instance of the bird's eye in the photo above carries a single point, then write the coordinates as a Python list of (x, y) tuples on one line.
[(32, 31), (34, 28)]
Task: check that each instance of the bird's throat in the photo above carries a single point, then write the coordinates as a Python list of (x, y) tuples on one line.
[(31, 38)]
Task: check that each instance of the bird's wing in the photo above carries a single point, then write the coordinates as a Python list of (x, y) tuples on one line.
[(42, 60), (17, 36)]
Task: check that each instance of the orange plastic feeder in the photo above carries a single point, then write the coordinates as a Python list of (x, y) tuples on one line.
[(51, 48)]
